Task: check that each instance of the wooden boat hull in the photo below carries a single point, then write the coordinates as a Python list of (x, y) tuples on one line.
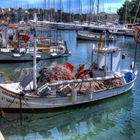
[(11, 101)]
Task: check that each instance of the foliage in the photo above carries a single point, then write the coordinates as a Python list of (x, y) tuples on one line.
[(130, 11)]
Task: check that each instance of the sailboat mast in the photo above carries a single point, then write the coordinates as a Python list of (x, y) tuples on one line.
[(80, 9), (34, 63), (91, 10), (98, 9), (44, 9), (61, 8), (69, 9), (49, 13), (34, 58)]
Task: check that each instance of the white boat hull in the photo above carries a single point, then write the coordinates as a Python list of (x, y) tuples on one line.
[(10, 100), (93, 37), (27, 56)]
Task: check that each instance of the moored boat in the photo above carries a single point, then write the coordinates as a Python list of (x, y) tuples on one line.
[(17, 45), (26, 54), (94, 36), (58, 87)]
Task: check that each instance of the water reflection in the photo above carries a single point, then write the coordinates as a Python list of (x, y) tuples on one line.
[(116, 118), (90, 122), (13, 70), (81, 53)]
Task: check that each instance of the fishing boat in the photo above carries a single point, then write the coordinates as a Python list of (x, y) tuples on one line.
[(44, 51), (57, 87), (95, 37), (18, 46)]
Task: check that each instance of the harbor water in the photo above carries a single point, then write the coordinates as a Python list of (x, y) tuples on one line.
[(114, 118)]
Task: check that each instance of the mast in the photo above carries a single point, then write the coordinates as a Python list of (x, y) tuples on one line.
[(34, 58), (49, 13), (53, 8), (61, 9), (44, 10), (98, 9), (80, 9), (69, 9), (91, 10)]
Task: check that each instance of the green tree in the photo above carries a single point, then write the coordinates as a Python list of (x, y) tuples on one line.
[(130, 11)]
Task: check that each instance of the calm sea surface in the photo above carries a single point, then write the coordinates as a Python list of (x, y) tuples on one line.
[(115, 118)]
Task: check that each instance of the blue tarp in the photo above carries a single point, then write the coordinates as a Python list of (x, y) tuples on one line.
[(128, 77)]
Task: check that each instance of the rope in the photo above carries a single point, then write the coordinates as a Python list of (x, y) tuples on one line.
[(11, 103)]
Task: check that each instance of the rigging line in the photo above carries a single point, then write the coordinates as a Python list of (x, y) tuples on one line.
[(11, 102), (69, 5), (24, 99), (92, 9), (14, 100), (45, 9)]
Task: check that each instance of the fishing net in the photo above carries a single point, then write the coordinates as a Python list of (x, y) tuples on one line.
[(53, 74)]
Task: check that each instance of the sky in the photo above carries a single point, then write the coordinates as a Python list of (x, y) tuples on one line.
[(109, 6)]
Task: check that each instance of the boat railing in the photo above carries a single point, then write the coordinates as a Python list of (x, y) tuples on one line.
[(77, 81), (75, 88)]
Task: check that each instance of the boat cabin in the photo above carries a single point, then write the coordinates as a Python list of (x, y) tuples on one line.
[(105, 61)]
